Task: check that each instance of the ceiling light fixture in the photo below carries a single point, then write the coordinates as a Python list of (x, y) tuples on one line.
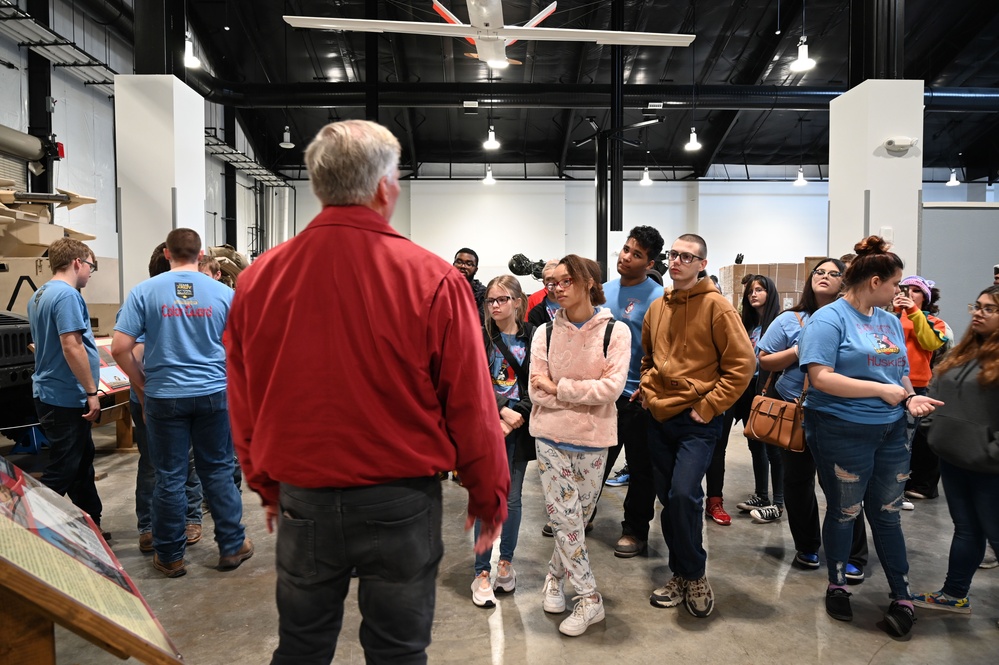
[(953, 182), (800, 180), (646, 180), (803, 63), (692, 144), (286, 143), (191, 61), (498, 64), (491, 143), (489, 179)]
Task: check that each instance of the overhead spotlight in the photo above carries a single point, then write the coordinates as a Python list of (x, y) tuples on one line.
[(489, 179), (226, 28), (191, 61), (646, 180), (953, 182), (800, 180), (286, 143), (692, 144), (491, 143), (803, 63)]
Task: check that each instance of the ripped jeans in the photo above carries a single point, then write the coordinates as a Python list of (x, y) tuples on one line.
[(862, 467)]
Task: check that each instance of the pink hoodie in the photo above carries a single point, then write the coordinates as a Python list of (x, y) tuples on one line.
[(583, 413)]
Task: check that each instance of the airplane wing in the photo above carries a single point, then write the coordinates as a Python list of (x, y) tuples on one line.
[(470, 32)]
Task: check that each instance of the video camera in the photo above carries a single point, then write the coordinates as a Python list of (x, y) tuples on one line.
[(521, 265)]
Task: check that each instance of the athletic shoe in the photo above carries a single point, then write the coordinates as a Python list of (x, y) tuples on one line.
[(699, 599), (938, 601), (482, 590), (619, 479), (854, 574), (753, 502), (586, 613), (554, 598), (807, 560), (912, 494), (548, 530), (506, 577), (767, 514), (907, 505), (671, 594), (716, 511), (629, 546), (838, 604), (899, 619), (989, 561)]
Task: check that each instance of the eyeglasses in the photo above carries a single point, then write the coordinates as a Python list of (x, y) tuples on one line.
[(93, 266), (822, 273), (501, 300), (685, 257), (468, 264), (565, 283), (550, 286), (987, 310)]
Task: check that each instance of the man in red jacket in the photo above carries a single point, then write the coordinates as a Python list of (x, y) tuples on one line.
[(349, 391)]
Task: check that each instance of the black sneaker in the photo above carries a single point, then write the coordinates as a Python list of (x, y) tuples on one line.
[(899, 619), (838, 604), (547, 530)]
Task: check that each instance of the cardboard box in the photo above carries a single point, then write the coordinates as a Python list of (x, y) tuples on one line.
[(102, 317)]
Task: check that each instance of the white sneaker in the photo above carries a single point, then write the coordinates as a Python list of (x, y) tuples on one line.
[(586, 613), (907, 505), (506, 577), (482, 591), (554, 598), (990, 561)]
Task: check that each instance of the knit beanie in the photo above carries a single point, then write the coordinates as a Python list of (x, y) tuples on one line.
[(923, 285)]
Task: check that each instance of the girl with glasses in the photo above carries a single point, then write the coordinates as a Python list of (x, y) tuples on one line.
[(859, 392), (964, 432), (778, 352), (577, 374), (508, 340)]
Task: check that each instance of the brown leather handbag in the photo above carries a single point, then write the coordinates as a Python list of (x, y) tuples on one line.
[(777, 422)]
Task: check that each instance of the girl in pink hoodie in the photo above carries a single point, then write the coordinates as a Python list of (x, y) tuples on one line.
[(574, 387)]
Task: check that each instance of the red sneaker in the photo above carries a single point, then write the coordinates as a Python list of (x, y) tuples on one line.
[(716, 512)]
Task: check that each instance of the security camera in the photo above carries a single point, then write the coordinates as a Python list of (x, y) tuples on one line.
[(899, 143)]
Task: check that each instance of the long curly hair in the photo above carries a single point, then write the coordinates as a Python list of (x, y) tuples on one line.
[(973, 346)]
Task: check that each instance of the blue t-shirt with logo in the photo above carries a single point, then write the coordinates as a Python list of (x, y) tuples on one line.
[(782, 334), (869, 348), (55, 309), (629, 304), (503, 375), (182, 315)]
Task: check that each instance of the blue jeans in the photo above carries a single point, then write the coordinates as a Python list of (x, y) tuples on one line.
[(391, 534), (973, 502), (145, 478), (511, 527), (862, 467), (681, 451), (70, 469), (174, 426)]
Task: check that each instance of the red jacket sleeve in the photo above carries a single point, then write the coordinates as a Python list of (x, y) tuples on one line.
[(461, 379)]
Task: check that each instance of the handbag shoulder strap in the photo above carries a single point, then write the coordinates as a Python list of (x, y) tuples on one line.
[(518, 369)]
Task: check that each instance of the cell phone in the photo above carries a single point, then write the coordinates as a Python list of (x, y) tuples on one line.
[(904, 288)]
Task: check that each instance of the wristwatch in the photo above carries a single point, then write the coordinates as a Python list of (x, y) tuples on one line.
[(93, 394)]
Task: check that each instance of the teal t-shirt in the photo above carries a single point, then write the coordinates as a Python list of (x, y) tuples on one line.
[(55, 309), (182, 315), (629, 304), (869, 348)]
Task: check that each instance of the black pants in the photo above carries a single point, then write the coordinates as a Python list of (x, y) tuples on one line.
[(925, 475), (391, 534), (633, 434), (70, 469)]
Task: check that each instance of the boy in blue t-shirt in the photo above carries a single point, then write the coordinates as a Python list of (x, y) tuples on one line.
[(64, 383), (628, 298)]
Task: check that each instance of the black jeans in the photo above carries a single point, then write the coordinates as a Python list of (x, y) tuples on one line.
[(391, 534), (640, 501), (739, 412), (925, 475), (70, 469)]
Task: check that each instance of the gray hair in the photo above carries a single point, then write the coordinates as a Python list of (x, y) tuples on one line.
[(347, 159)]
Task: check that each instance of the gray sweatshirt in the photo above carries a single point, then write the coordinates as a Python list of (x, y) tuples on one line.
[(965, 430)]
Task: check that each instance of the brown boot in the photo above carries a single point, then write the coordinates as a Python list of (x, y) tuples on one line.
[(232, 561), (172, 569), (146, 542), (193, 533)]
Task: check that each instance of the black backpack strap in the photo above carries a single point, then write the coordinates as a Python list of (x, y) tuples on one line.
[(518, 369), (548, 338), (607, 335)]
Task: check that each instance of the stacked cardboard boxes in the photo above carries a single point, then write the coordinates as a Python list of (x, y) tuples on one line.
[(788, 277)]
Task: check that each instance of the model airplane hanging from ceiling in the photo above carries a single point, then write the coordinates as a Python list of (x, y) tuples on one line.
[(488, 32)]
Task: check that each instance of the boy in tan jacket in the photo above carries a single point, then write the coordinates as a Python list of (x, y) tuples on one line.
[(698, 361)]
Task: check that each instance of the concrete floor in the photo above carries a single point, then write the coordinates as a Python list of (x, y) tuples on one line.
[(766, 611)]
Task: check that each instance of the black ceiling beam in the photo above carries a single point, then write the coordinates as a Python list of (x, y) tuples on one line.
[(564, 96), (585, 55), (877, 37), (402, 73), (971, 22)]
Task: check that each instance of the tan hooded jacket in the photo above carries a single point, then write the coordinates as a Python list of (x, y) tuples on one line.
[(697, 353)]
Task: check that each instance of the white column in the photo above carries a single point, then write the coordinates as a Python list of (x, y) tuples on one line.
[(160, 141), (871, 189)]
